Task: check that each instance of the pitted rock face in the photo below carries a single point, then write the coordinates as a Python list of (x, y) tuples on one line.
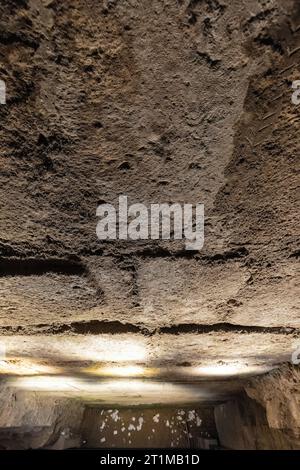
[(165, 102)]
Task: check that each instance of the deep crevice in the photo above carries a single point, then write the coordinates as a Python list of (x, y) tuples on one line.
[(37, 267), (98, 327)]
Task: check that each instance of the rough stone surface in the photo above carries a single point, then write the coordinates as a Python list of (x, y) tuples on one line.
[(279, 393), (31, 420), (103, 102), (266, 416), (173, 101)]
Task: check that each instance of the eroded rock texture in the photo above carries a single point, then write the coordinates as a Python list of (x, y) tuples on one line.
[(32, 420), (168, 101), (164, 102), (266, 417), (279, 394)]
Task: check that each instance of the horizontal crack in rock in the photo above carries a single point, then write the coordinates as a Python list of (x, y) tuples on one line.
[(32, 266), (98, 327)]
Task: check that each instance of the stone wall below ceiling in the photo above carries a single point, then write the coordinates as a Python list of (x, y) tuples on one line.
[(267, 416)]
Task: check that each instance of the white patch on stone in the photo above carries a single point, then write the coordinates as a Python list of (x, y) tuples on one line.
[(139, 426), (115, 415), (191, 415), (198, 421)]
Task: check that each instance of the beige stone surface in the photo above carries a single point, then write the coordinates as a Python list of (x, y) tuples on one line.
[(166, 102)]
